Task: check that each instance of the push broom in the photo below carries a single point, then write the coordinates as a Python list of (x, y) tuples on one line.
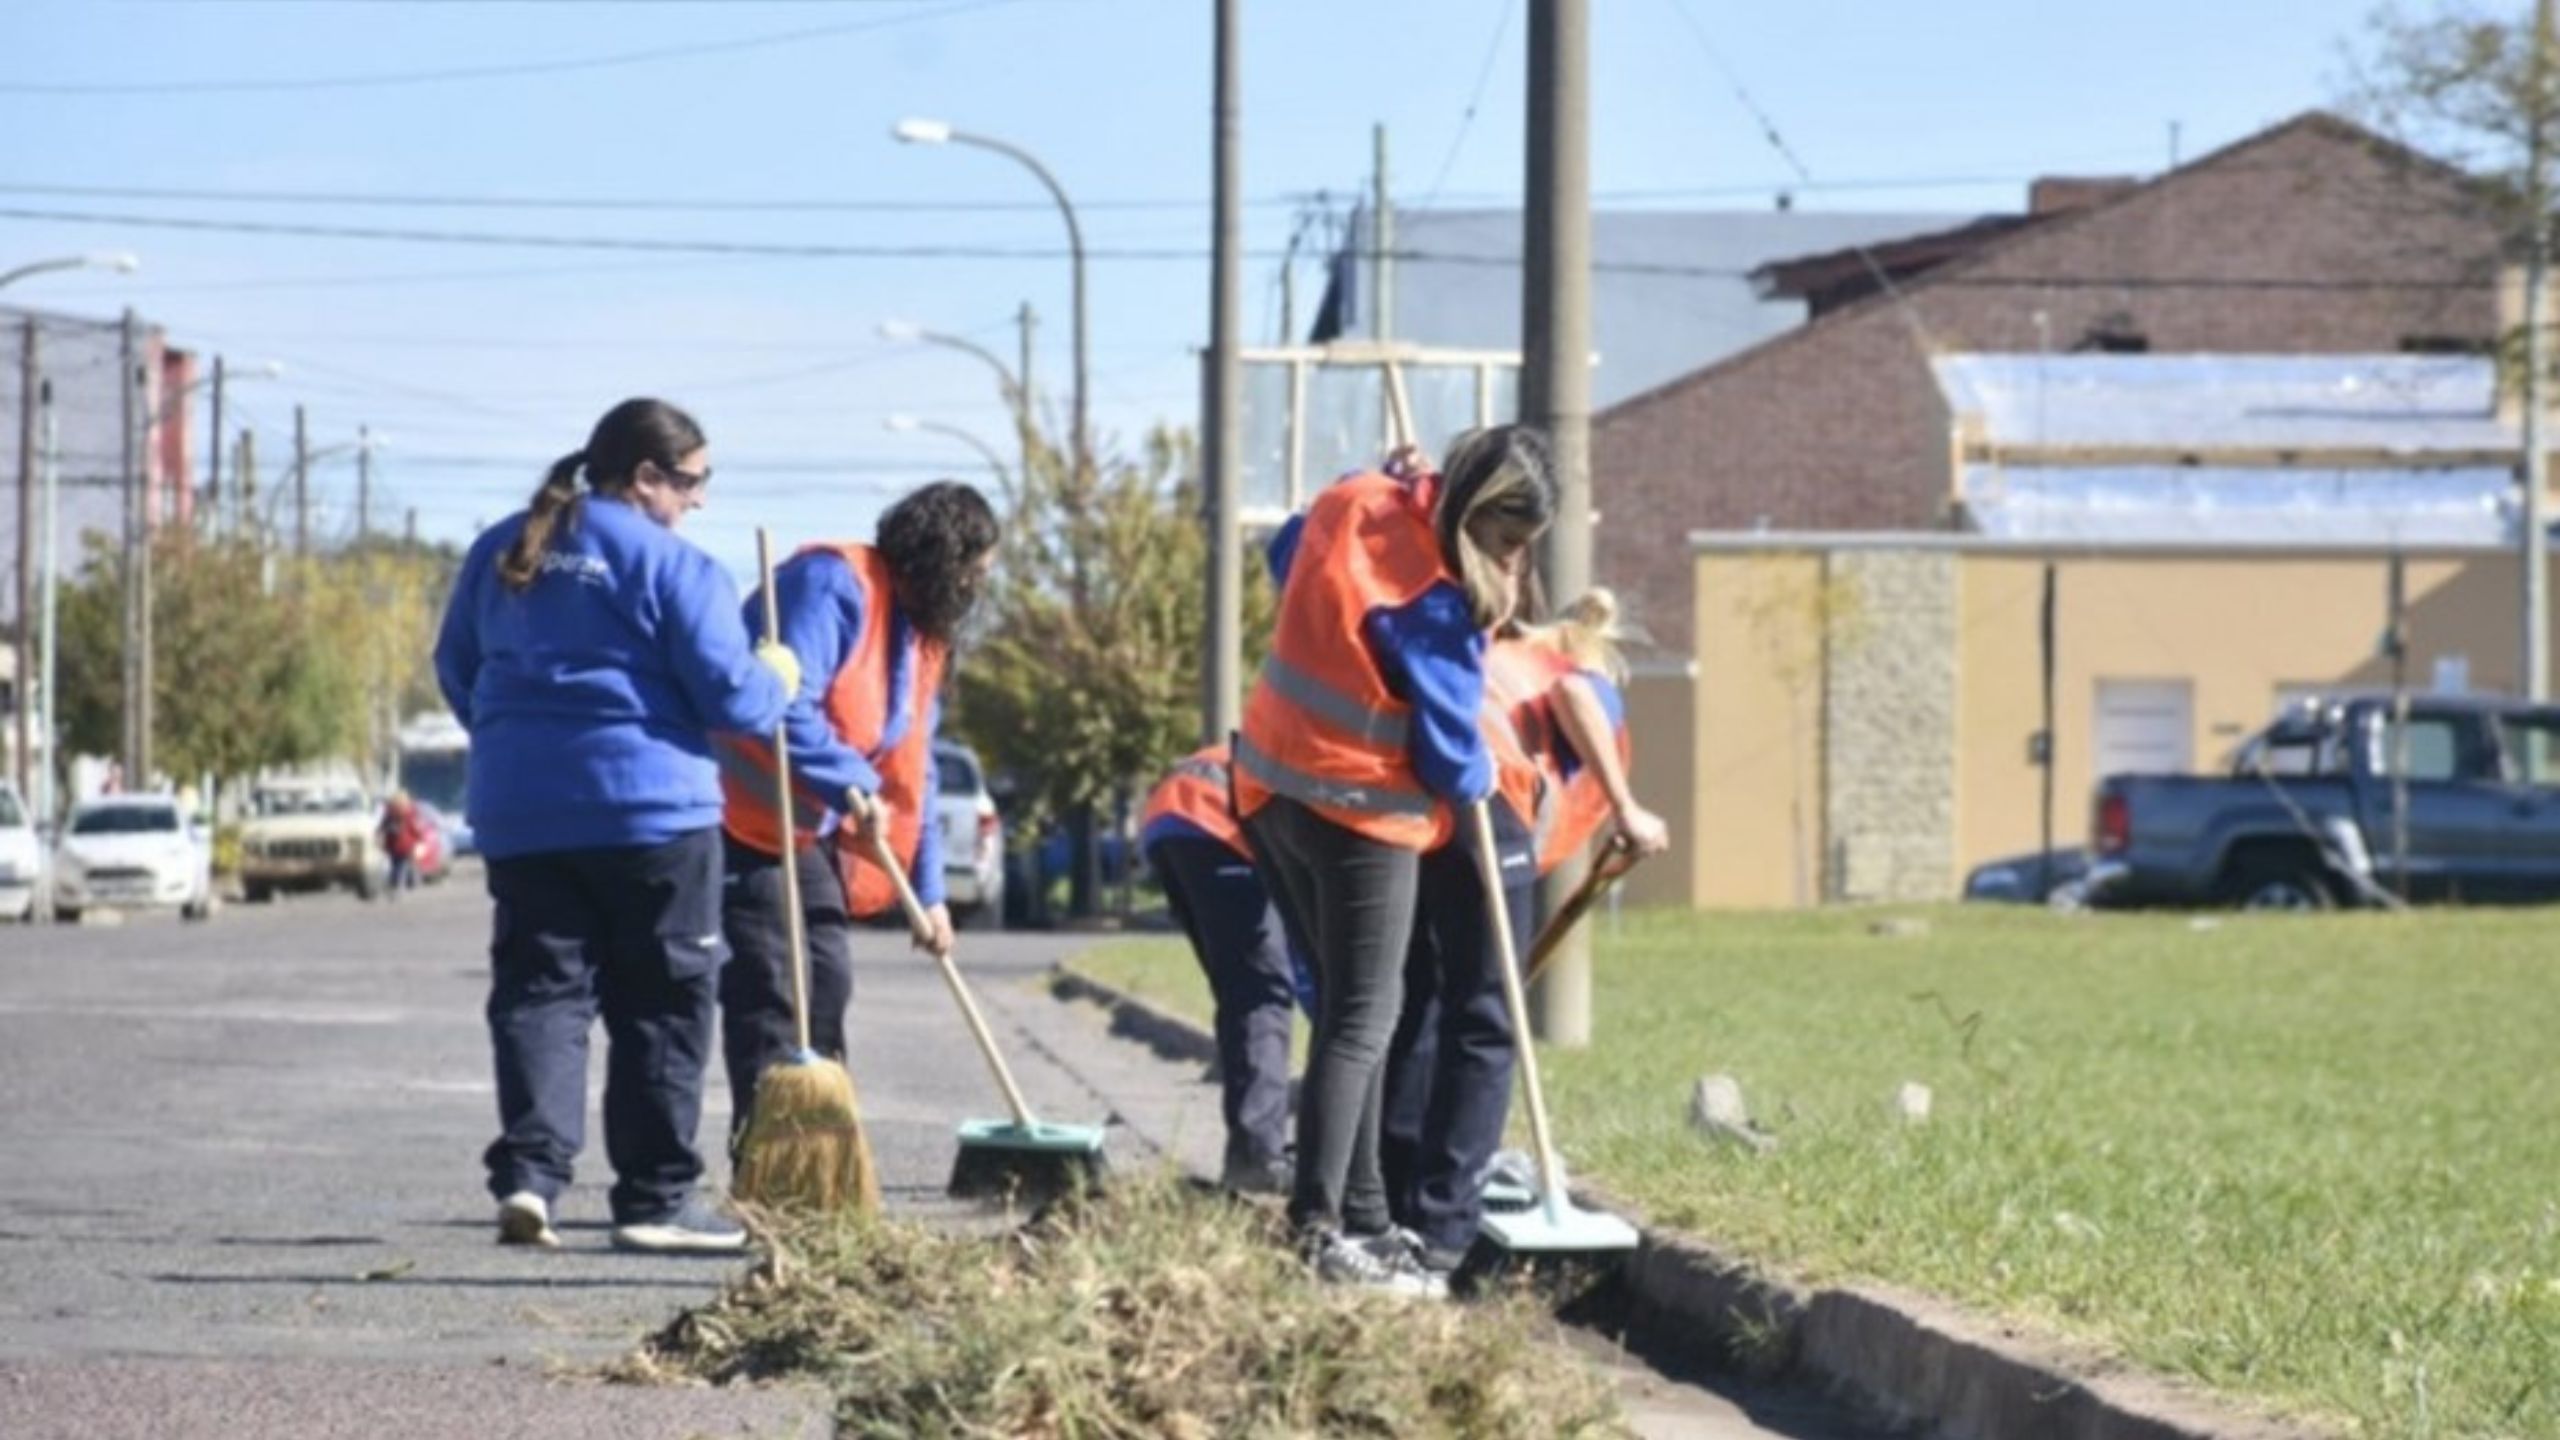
[(1504, 1190), (1024, 1156), (803, 1148), (1553, 1227)]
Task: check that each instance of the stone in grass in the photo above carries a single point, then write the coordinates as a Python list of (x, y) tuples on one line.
[(1717, 1111), (1911, 1102), (1899, 927)]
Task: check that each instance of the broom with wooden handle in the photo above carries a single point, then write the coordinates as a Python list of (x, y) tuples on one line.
[(1022, 1155), (803, 1148)]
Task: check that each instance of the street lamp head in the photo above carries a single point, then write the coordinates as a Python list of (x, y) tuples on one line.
[(901, 332), (922, 132), (902, 424), (123, 262)]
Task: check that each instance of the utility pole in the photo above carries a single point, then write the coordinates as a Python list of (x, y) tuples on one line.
[(1555, 383), (49, 592), (130, 750), (1382, 235), (213, 456), (245, 519), (1221, 670), (364, 486), (301, 484), (409, 529), (2537, 364), (30, 367)]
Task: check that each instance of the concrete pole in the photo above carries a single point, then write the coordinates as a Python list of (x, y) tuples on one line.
[(301, 484), (245, 518), (129, 750), (213, 456), (1382, 237), (146, 692), (49, 597), (2537, 365), (364, 486), (1555, 384), (1221, 669), (29, 369)]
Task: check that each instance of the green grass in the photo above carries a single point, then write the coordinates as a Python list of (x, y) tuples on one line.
[(2315, 1163)]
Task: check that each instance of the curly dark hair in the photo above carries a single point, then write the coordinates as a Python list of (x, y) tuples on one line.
[(933, 540)]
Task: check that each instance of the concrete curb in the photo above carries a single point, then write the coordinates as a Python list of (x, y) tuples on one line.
[(1909, 1359)]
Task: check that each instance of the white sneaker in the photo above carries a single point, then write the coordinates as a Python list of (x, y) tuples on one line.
[(1373, 1262), (696, 1228), (524, 1218)]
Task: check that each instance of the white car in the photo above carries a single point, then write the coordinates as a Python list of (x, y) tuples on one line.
[(972, 839), (131, 852), (21, 858)]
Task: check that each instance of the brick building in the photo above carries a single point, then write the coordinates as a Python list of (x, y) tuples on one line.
[(2316, 236)]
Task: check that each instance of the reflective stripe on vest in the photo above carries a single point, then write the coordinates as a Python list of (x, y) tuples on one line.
[(1378, 727), (1195, 792), (1310, 789), (746, 768)]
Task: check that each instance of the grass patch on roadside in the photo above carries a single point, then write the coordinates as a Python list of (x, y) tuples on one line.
[(1152, 1311), (2310, 1161)]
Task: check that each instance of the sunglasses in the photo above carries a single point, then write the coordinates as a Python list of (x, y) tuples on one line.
[(684, 482)]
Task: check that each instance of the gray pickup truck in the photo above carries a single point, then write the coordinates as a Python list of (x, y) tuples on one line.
[(2308, 817)]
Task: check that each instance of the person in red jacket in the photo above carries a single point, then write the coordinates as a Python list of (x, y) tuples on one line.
[(403, 835)]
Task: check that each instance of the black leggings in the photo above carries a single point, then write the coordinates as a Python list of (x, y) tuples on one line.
[(1349, 901)]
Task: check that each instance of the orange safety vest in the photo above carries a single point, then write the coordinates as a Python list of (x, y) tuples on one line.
[(1518, 729), (1321, 725), (1571, 810), (856, 708), (1195, 791)]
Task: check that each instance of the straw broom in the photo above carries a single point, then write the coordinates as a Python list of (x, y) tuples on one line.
[(803, 1148)]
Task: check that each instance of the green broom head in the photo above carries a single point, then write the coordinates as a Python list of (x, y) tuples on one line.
[(803, 1149)]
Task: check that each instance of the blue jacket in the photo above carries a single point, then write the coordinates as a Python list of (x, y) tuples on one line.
[(823, 607), (590, 695), (1432, 656)]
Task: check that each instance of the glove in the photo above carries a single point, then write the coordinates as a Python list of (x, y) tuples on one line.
[(785, 665)]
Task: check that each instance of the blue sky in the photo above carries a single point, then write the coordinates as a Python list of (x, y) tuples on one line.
[(481, 361)]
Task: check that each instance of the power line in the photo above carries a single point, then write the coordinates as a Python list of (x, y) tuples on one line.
[(616, 204), (1467, 120), (382, 80)]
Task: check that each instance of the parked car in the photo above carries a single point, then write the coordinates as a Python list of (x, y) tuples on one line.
[(2312, 815), (21, 857), (305, 834), (131, 852), (2052, 877), (972, 839)]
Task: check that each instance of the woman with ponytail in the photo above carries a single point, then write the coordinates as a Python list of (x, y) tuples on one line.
[(590, 652)]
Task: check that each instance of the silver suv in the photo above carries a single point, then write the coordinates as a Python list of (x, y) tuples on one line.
[(972, 838)]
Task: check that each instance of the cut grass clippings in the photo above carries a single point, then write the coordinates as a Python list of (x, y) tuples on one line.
[(2313, 1162), (1152, 1310)]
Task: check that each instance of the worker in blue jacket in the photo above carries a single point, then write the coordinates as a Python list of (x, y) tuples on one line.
[(590, 653)]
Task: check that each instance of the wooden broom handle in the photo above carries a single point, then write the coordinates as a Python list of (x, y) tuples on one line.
[(794, 924), (887, 860), (1549, 1191)]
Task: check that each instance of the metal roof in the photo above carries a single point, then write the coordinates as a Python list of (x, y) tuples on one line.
[(2278, 507), (1671, 292)]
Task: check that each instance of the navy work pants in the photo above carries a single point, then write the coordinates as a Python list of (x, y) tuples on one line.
[(631, 933), (1236, 935), (756, 1025), (1449, 1066)]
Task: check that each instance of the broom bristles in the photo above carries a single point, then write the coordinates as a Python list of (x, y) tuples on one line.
[(804, 1148)]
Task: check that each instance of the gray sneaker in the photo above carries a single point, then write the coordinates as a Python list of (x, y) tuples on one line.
[(524, 1218), (1384, 1263), (696, 1228)]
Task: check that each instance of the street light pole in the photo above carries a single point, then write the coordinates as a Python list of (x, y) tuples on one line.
[(909, 424), (29, 372), (119, 261), (936, 132), (2537, 362)]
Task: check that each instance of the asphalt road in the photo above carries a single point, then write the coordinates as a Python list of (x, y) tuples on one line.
[(243, 1196)]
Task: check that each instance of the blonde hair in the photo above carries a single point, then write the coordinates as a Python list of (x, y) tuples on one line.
[(1586, 633), (1502, 472)]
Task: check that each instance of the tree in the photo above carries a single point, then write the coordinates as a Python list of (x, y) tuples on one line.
[(1085, 683), (239, 681)]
